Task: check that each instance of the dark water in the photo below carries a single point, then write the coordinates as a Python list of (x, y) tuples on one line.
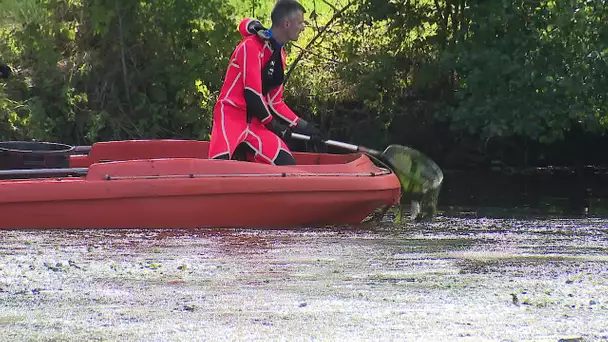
[(539, 192), (526, 271)]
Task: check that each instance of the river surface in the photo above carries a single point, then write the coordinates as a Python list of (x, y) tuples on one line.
[(466, 276)]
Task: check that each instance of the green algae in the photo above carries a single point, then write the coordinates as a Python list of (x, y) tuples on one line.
[(454, 278)]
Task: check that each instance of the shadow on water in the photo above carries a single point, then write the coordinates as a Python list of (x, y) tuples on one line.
[(534, 192)]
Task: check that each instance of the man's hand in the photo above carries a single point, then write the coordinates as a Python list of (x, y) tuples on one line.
[(283, 131), (317, 137), (304, 127)]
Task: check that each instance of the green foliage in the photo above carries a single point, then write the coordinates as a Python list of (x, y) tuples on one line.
[(109, 69), (16, 12), (532, 69), (376, 76), (493, 68)]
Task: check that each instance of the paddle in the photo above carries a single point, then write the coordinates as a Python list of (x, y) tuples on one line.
[(419, 176)]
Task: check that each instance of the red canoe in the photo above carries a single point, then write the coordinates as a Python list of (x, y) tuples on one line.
[(172, 184)]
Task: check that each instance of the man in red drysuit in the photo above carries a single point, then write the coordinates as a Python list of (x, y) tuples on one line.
[(250, 106)]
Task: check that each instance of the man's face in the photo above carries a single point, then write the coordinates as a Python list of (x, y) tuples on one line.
[(295, 25)]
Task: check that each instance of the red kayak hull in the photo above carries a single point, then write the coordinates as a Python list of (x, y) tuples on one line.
[(171, 184)]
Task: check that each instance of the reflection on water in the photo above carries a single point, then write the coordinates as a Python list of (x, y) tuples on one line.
[(536, 192)]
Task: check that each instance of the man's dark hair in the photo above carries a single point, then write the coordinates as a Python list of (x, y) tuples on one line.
[(284, 8)]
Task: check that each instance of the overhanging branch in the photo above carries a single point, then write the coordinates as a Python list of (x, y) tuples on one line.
[(335, 17)]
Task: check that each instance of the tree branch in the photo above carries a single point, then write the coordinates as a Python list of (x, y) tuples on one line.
[(330, 5), (317, 36), (122, 54), (329, 59)]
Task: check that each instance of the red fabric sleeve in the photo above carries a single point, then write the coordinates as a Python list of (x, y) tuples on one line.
[(280, 108)]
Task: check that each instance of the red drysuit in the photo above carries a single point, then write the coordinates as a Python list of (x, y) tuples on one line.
[(244, 92)]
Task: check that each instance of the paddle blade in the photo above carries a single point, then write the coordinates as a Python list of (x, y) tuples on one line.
[(419, 176)]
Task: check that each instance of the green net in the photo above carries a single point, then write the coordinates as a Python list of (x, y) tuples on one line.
[(419, 176)]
